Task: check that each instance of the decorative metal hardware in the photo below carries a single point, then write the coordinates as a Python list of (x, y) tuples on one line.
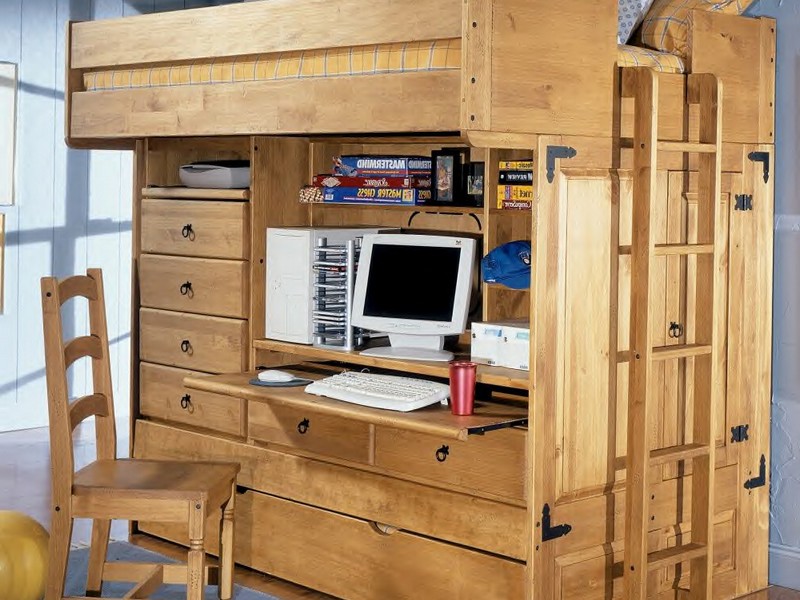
[(186, 402), (675, 330), (481, 429), (551, 532), (761, 480), (762, 157), (554, 152), (740, 433), (302, 426), (186, 346), (188, 232), (442, 453), (744, 202), (186, 289)]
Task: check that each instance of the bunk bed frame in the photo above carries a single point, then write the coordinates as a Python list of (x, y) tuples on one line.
[(537, 511)]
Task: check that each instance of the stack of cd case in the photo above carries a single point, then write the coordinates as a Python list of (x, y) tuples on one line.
[(334, 281)]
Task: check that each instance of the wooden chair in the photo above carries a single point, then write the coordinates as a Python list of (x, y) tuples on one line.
[(111, 488)]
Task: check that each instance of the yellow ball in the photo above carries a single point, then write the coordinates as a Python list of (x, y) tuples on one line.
[(23, 557)]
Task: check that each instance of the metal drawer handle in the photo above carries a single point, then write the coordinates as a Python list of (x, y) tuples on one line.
[(303, 426), (186, 346), (186, 289), (442, 453), (186, 402), (188, 232), (675, 330)]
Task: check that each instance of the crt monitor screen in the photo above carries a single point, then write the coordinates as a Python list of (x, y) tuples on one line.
[(412, 282)]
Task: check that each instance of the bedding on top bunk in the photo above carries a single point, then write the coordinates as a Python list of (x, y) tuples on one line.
[(435, 55)]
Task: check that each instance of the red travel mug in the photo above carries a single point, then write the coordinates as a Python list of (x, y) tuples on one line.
[(462, 386)]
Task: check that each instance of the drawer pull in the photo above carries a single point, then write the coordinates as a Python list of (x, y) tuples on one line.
[(675, 330), (186, 289), (186, 402), (303, 426), (442, 453), (186, 346), (188, 232)]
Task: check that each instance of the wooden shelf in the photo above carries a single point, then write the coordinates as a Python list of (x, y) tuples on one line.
[(499, 376), (425, 208), (179, 192), (433, 420)]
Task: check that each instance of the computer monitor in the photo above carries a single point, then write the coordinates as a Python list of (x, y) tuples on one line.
[(416, 288)]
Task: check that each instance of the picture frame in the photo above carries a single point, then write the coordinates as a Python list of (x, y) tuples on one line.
[(474, 184), (447, 175)]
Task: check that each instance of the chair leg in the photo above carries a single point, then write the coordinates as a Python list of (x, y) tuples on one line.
[(226, 562), (58, 551), (97, 556), (196, 563)]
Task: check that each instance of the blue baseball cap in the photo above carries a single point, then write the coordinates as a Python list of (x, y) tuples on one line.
[(509, 265)]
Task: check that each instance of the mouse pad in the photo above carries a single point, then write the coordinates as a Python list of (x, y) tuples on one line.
[(292, 383)]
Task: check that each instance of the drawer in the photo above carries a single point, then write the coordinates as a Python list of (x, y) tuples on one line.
[(321, 434), (493, 463), (191, 228), (352, 558), (201, 343), (199, 285), (162, 395), (495, 527)]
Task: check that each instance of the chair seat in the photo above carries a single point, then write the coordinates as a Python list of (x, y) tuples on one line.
[(128, 479)]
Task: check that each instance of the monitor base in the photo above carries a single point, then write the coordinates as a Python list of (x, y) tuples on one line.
[(408, 353)]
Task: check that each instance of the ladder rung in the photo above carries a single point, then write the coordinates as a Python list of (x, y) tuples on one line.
[(676, 453), (700, 147), (674, 555), (680, 351), (683, 249)]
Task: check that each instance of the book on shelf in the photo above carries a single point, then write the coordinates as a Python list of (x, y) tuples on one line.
[(516, 177), (516, 165), (514, 196)]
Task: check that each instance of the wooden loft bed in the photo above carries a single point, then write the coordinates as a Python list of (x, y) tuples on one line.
[(359, 504), (538, 67)]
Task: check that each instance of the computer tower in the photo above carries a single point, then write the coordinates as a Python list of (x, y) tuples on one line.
[(290, 278)]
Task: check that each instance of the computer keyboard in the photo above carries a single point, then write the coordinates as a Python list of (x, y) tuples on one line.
[(390, 392)]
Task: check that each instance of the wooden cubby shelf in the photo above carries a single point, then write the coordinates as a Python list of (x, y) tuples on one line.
[(499, 376), (179, 192)]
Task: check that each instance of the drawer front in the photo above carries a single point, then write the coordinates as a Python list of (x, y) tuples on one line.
[(199, 285), (352, 559), (496, 527), (493, 463), (211, 344), (320, 434), (191, 228), (163, 396)]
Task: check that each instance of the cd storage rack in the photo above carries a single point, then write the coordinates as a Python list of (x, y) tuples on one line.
[(334, 280)]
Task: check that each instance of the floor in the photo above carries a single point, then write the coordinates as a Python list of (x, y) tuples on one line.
[(25, 486)]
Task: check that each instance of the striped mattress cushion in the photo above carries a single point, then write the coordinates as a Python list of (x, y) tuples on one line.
[(409, 57)]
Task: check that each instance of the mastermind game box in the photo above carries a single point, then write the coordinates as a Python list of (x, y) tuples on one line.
[(382, 166)]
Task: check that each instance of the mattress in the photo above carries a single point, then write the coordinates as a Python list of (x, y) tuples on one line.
[(409, 57)]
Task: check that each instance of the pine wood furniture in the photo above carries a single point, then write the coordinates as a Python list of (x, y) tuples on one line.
[(537, 511), (111, 488)]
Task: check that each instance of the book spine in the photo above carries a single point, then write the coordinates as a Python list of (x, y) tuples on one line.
[(330, 181), (370, 195), (516, 165), (517, 177), (514, 196)]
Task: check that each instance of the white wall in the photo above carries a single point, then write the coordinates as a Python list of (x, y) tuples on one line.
[(72, 211), (785, 473)]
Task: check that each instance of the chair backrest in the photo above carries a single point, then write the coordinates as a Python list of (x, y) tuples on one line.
[(59, 355)]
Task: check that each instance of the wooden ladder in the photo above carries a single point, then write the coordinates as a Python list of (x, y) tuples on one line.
[(705, 348)]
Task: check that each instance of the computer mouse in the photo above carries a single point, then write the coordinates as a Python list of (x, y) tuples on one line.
[(274, 375)]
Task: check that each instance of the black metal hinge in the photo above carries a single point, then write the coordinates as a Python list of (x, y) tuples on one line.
[(744, 202), (762, 157), (756, 482), (554, 152), (739, 433), (551, 532)]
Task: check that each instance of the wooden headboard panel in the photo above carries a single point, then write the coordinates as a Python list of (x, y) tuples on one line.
[(259, 27)]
